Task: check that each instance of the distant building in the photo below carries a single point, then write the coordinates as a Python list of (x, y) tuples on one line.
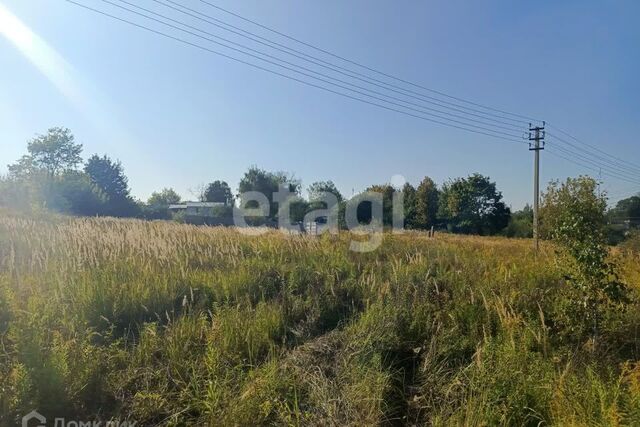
[(198, 208), (203, 213)]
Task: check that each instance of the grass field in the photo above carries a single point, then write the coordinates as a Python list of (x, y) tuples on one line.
[(169, 324)]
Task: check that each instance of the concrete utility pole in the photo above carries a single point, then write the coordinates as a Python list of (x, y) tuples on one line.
[(537, 137)]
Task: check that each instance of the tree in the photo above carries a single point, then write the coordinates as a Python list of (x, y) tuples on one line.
[(48, 178), (14, 194), (365, 206), (426, 204), (24, 168), (409, 200), (288, 180), (625, 215), (473, 206), (573, 215), (521, 223), (54, 153), (267, 183), (298, 208), (319, 187), (76, 194), (316, 201), (217, 191), (109, 177), (71, 192), (164, 198), (158, 203), (627, 210), (387, 191)]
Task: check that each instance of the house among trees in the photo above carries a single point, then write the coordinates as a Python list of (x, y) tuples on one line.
[(196, 208), (209, 213)]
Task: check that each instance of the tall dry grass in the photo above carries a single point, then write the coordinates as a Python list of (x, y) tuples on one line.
[(169, 324)]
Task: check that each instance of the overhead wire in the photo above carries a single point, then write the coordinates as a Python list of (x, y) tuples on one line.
[(609, 165), (335, 67), (327, 52), (634, 165), (421, 109), (187, 42), (607, 173), (600, 158)]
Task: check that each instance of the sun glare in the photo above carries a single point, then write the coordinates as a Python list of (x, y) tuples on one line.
[(14, 30), (78, 91), (39, 53)]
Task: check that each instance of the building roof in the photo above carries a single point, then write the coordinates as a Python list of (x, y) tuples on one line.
[(196, 205)]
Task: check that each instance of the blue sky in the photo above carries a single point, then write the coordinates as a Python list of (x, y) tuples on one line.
[(180, 117)]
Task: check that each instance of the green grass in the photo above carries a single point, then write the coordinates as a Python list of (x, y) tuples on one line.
[(168, 324)]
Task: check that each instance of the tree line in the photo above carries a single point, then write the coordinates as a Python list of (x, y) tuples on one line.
[(53, 176)]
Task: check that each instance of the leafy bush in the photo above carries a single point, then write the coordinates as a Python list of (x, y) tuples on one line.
[(574, 216)]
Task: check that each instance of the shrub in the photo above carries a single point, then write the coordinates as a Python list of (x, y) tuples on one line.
[(574, 216)]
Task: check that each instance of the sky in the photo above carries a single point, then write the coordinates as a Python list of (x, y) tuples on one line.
[(177, 116)]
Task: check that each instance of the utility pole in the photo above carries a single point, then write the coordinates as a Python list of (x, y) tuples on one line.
[(537, 137)]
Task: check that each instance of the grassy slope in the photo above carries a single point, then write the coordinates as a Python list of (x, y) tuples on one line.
[(171, 324)]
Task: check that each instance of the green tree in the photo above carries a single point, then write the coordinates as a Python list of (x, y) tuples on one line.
[(316, 202), (426, 204), (520, 223), (158, 203), (573, 215), (410, 209), (267, 183), (365, 207), (14, 194), (71, 192), (109, 177), (76, 194), (54, 152), (298, 208), (387, 192), (319, 187), (164, 198), (473, 205), (43, 178), (626, 210), (625, 215), (24, 168), (288, 180), (217, 191)]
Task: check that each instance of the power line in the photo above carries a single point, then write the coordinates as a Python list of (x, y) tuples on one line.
[(589, 167), (349, 86), (600, 167), (612, 169), (616, 196), (598, 161), (624, 194), (178, 39), (312, 71), (617, 164), (614, 164), (337, 68), (634, 165), (364, 66)]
